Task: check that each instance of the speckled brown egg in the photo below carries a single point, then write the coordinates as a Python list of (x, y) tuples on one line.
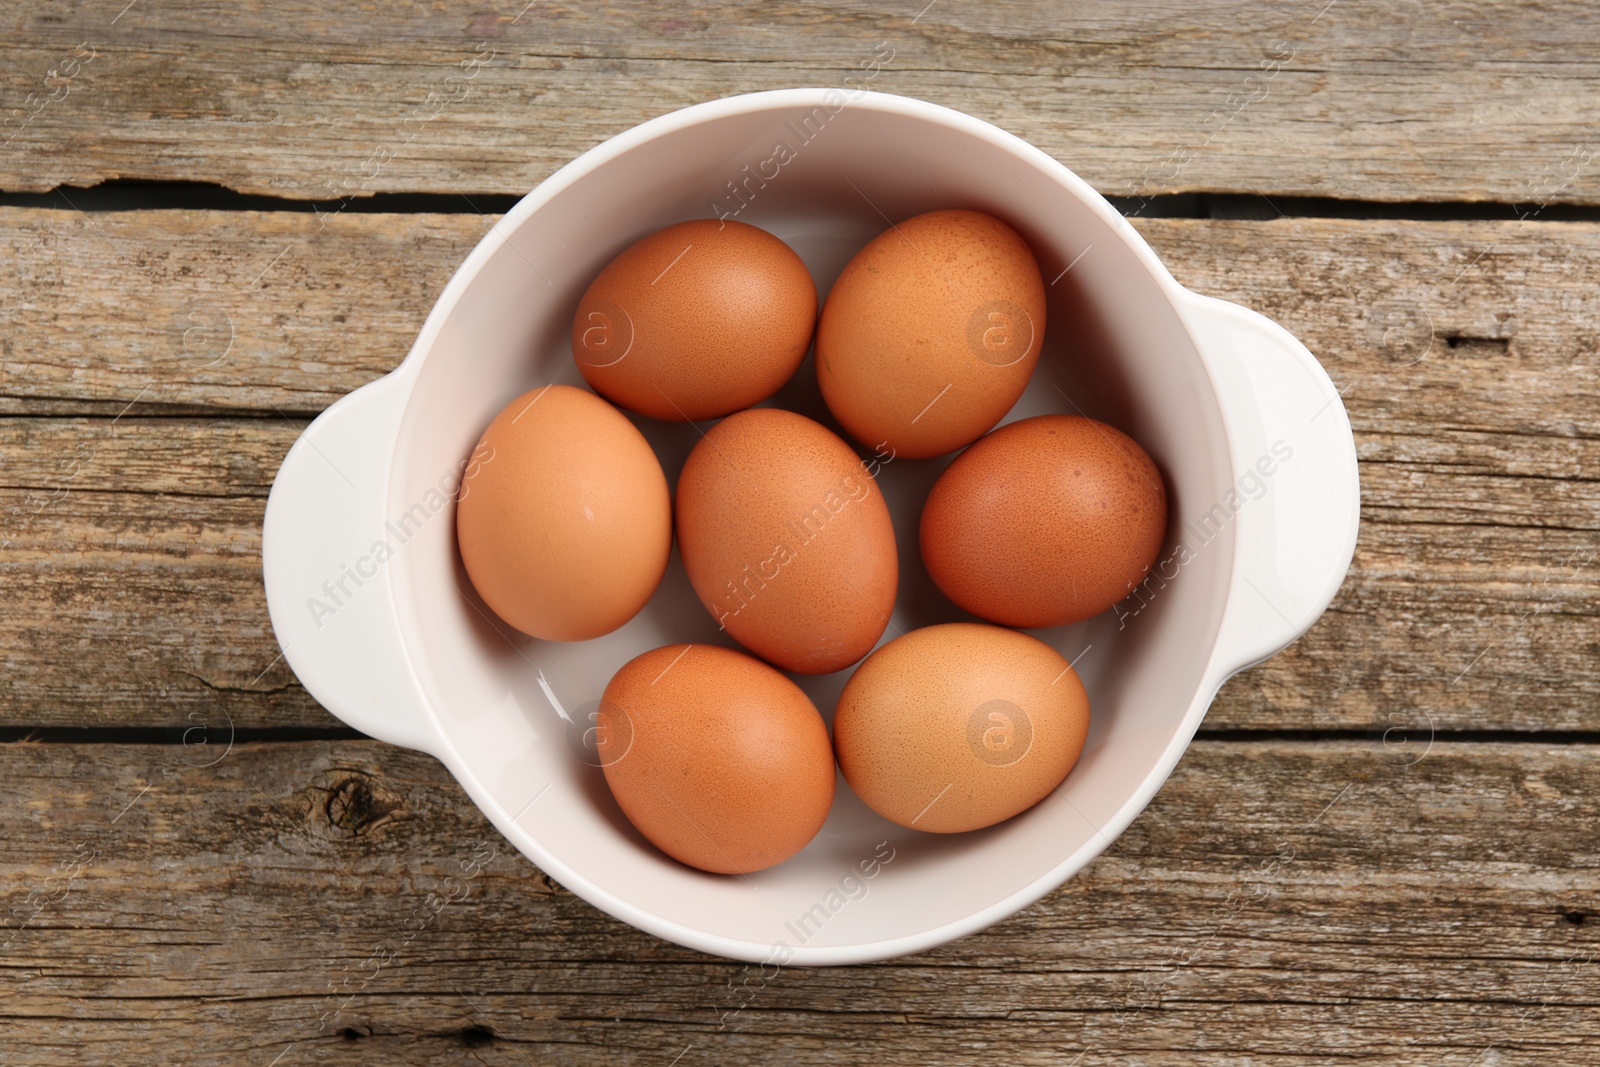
[(719, 760), (564, 521), (960, 726), (696, 321), (931, 332), (787, 541), (1045, 521)]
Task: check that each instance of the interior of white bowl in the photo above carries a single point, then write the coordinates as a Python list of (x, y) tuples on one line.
[(512, 710)]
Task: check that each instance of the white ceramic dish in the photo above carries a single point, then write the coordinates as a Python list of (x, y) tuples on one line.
[(1247, 428)]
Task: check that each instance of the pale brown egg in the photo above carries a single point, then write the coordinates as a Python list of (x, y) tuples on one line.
[(787, 540), (960, 726), (695, 321), (929, 335), (1045, 521), (719, 760), (566, 523)]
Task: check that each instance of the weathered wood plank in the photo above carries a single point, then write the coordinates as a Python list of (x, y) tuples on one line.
[(1277, 903), (273, 311), (1473, 335), (1490, 100), (125, 539)]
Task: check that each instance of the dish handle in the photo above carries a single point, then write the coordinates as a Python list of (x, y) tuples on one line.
[(328, 592), (1295, 501)]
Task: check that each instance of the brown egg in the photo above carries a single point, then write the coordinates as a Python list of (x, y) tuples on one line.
[(696, 321), (931, 332), (566, 523), (1044, 522), (787, 540), (719, 760), (955, 727)]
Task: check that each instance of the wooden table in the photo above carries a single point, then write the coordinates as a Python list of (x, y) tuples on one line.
[(1383, 845)]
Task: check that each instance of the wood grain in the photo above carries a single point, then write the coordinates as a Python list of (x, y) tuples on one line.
[(275, 312), (1277, 903), (1476, 409), (132, 565), (1473, 603), (135, 598), (1482, 331), (1403, 899), (1486, 100)]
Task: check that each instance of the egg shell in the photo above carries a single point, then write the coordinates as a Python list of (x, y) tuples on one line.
[(716, 758), (787, 540), (959, 726), (1045, 521), (696, 321), (565, 525), (931, 332)]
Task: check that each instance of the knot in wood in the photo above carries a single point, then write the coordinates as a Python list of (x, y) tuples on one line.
[(354, 805)]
